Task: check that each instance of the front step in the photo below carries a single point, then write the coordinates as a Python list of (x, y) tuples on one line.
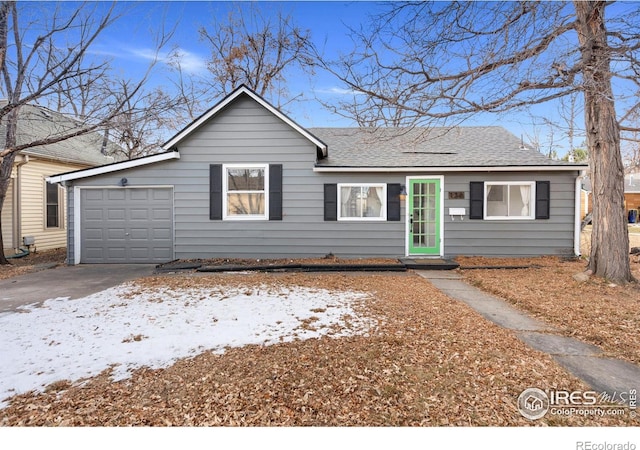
[(429, 264)]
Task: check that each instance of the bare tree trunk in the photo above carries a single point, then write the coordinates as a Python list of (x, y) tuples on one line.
[(610, 238), (6, 165)]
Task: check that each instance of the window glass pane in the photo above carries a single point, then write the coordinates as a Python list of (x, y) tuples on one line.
[(519, 199), (497, 200), (245, 204), (245, 179), (52, 205), (372, 202), (52, 193), (350, 201), (52, 216)]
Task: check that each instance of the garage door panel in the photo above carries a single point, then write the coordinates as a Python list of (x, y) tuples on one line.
[(161, 234), (139, 194), (126, 225), (93, 214), (139, 234), (140, 253), (116, 194), (117, 255), (139, 214), (93, 195), (162, 195), (162, 214), (94, 234)]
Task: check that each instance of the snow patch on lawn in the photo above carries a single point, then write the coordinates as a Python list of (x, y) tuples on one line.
[(130, 326)]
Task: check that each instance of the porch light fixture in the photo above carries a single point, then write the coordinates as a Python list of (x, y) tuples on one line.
[(403, 193), (124, 182)]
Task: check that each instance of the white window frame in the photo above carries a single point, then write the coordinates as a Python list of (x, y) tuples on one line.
[(532, 199), (61, 195), (225, 192), (381, 218)]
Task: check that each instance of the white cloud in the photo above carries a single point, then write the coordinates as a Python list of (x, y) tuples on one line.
[(190, 62), (337, 91)]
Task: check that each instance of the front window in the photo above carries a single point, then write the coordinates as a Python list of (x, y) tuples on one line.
[(362, 201), (509, 200), (245, 196)]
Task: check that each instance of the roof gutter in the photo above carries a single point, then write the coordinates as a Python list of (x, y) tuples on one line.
[(434, 169)]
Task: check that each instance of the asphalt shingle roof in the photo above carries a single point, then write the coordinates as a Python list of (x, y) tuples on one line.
[(428, 147), (35, 122)]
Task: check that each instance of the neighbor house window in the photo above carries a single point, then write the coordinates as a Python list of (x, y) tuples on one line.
[(245, 195), (509, 200), (362, 201), (53, 206)]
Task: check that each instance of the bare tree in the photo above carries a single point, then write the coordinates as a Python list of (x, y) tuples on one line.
[(189, 98), (562, 128), (51, 62), (432, 61), (138, 130), (249, 48)]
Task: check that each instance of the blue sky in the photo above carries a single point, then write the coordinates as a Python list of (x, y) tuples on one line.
[(129, 42)]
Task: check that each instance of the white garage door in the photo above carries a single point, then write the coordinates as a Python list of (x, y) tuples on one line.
[(126, 225)]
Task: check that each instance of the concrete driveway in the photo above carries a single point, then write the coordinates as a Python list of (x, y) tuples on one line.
[(66, 281)]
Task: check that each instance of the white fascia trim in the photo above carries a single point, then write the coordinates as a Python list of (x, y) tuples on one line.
[(243, 90), (100, 170), (450, 169), (76, 225)]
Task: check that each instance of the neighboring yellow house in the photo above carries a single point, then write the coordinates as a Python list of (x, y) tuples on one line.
[(631, 193), (33, 207)]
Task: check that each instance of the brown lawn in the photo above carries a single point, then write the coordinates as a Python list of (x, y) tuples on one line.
[(431, 361)]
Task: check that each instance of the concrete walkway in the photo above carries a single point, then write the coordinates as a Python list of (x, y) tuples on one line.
[(66, 281), (604, 375)]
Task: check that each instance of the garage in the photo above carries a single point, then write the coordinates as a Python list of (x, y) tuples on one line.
[(126, 225)]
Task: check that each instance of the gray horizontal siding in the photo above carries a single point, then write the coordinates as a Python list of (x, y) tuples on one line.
[(512, 237), (246, 133)]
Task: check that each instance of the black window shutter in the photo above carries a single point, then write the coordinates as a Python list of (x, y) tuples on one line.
[(330, 202), (215, 192), (275, 191), (476, 200), (543, 199), (393, 202)]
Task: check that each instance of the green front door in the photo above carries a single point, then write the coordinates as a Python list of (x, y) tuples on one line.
[(424, 217)]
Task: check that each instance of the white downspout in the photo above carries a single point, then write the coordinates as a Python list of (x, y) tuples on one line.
[(577, 218), (17, 203)]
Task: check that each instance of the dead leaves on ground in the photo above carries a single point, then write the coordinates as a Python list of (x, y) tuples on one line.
[(431, 361), (596, 311)]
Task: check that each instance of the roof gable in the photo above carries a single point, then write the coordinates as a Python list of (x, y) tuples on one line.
[(242, 90)]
